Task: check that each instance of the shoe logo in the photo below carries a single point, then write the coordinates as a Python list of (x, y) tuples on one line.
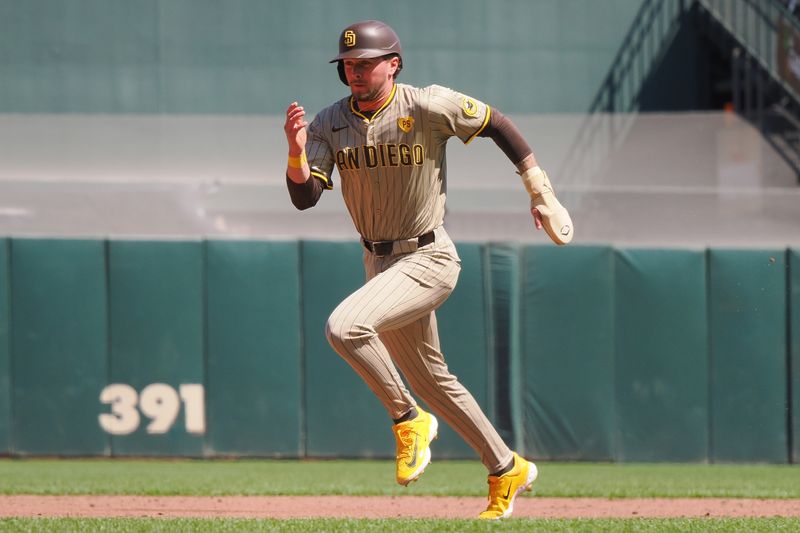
[(508, 492), (335, 129), (413, 462)]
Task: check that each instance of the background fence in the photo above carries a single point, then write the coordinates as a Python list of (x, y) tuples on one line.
[(216, 348)]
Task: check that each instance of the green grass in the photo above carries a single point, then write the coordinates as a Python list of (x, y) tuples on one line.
[(455, 526), (466, 478), (456, 478)]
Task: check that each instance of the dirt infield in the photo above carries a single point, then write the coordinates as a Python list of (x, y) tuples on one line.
[(383, 507)]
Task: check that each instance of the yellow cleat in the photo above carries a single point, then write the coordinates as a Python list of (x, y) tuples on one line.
[(503, 489), (413, 445)]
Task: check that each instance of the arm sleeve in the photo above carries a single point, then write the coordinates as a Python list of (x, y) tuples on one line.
[(456, 114), (506, 135), (305, 195)]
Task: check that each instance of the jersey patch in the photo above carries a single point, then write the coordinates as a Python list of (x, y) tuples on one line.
[(405, 123), (470, 107)]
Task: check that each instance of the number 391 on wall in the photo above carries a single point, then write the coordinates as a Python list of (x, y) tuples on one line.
[(159, 402)]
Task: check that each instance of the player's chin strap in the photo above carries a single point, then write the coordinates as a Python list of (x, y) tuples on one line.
[(555, 218)]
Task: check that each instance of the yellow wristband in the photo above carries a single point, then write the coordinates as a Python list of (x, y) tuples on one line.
[(297, 162)]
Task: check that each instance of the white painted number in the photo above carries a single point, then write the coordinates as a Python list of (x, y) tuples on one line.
[(159, 402), (124, 417), (194, 400)]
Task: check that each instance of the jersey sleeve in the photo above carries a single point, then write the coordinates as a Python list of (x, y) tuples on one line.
[(455, 114), (319, 153)]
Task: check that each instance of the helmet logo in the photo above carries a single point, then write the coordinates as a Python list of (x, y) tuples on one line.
[(350, 38)]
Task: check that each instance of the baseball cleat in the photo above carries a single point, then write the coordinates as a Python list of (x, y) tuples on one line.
[(413, 445), (503, 489)]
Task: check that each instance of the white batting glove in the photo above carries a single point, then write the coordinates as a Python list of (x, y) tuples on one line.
[(555, 218)]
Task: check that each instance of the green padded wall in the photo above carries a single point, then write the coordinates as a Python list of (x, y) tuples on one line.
[(465, 344), (253, 322), (568, 352), (156, 321), (662, 362), (794, 347), (650, 355), (60, 346), (747, 300), (5, 353), (502, 275), (343, 417)]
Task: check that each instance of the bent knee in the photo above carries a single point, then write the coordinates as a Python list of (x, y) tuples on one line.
[(333, 334), (339, 330)]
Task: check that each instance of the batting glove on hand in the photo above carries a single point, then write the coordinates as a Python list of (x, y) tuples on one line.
[(555, 218)]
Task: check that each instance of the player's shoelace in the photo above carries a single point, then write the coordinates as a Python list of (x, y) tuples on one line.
[(405, 441), (498, 486)]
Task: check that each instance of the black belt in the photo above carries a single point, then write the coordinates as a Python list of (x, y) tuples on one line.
[(383, 248)]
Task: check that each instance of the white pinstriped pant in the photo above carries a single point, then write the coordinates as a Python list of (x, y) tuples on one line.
[(389, 323)]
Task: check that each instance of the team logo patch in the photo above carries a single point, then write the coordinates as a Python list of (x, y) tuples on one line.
[(350, 38), (405, 123), (470, 107)]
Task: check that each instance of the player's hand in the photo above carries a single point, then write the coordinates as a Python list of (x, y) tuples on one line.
[(548, 213), (295, 128), (537, 217)]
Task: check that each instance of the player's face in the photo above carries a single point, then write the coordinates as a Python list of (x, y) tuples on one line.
[(370, 78)]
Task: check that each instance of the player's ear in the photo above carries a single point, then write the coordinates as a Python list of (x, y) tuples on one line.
[(340, 70), (396, 63)]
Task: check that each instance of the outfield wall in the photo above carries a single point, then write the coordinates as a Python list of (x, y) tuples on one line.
[(211, 348)]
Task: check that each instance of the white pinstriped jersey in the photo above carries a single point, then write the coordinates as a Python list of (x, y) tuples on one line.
[(392, 167)]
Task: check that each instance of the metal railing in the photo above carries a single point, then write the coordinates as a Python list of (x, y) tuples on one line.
[(753, 29), (765, 68), (614, 107), (756, 25)]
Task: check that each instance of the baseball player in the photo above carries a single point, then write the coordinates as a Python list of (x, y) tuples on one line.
[(387, 142)]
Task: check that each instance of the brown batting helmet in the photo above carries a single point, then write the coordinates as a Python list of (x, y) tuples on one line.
[(365, 40)]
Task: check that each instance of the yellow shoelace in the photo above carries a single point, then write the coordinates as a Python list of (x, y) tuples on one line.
[(497, 492), (405, 441)]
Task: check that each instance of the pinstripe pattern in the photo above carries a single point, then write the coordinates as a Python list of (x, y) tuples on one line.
[(392, 170), (391, 321), (393, 201)]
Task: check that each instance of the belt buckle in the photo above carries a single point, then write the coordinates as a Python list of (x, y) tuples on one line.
[(382, 248), (379, 248), (426, 239)]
